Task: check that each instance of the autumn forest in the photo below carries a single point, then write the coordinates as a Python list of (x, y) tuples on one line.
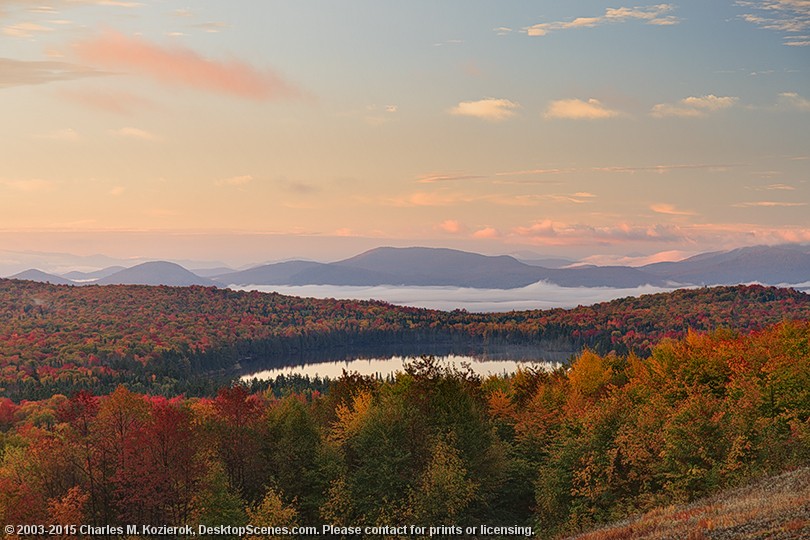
[(119, 407)]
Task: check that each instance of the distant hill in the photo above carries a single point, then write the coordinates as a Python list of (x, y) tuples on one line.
[(551, 262), (266, 274), (419, 266), (771, 265), (155, 273), (42, 277), (211, 272), (533, 258), (92, 276), (439, 266), (623, 277)]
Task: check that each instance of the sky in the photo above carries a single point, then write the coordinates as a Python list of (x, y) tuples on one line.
[(243, 132)]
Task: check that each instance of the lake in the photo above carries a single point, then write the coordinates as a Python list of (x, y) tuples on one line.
[(383, 367)]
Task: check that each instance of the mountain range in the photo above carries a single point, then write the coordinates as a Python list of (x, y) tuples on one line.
[(419, 266)]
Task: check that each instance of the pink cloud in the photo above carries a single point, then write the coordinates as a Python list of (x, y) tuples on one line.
[(547, 232), (734, 234), (663, 208), (423, 198), (181, 66), (768, 204), (641, 260), (486, 233), (689, 237), (431, 178), (451, 226)]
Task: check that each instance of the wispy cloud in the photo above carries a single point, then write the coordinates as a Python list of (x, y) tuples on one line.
[(534, 172), (548, 232), (177, 65), (663, 169), (432, 178), (23, 72), (660, 14), (622, 169), (580, 197), (694, 237), (423, 198), (377, 116), (25, 29), (48, 10), (136, 133), (491, 109), (212, 27), (769, 204), (670, 210), (116, 3), (693, 107), (54, 6), (577, 109), (792, 100), (791, 17), (773, 187)]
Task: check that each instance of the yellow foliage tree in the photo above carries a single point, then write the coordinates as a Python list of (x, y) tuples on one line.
[(272, 512), (590, 374)]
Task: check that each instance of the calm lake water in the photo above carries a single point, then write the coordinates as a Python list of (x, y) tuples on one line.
[(388, 366)]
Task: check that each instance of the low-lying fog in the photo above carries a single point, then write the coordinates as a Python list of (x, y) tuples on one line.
[(539, 295)]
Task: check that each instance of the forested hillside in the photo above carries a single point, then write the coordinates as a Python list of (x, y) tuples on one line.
[(558, 452), (171, 340)]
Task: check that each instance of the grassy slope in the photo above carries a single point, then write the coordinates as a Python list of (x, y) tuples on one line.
[(775, 508)]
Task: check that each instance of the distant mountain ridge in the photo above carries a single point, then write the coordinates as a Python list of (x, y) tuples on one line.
[(419, 266), (42, 277), (772, 265), (92, 276), (442, 267), (155, 273)]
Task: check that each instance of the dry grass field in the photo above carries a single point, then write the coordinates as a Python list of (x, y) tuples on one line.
[(773, 508)]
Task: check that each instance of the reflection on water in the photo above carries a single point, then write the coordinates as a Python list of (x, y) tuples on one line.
[(383, 367)]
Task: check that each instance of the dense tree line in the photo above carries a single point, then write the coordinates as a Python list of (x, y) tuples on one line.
[(171, 340), (558, 451)]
